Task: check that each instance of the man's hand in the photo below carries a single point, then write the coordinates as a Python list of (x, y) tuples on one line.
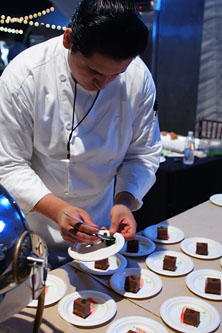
[(122, 219), (71, 231)]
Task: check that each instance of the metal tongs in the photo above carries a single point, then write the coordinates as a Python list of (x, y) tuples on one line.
[(101, 236)]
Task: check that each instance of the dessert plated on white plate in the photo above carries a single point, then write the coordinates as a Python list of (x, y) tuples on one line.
[(145, 247), (172, 309), (149, 285), (136, 323), (96, 251), (189, 245), (175, 235), (103, 308), (184, 264), (116, 262)]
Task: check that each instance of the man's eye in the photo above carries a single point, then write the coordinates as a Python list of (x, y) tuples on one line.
[(93, 71)]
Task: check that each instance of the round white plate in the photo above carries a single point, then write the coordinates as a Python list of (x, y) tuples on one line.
[(188, 246), (96, 251), (152, 284), (104, 308), (162, 159), (175, 234), (116, 263), (125, 324), (195, 281), (171, 309), (216, 199), (183, 263), (55, 289), (146, 246)]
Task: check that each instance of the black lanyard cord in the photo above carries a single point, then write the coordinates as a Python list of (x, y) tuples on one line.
[(73, 116)]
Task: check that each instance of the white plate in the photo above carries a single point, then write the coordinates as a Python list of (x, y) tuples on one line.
[(162, 159), (195, 281), (96, 251), (175, 234), (125, 324), (183, 263), (216, 199), (189, 246), (116, 263), (171, 309), (105, 308), (152, 284), (55, 289), (146, 246)]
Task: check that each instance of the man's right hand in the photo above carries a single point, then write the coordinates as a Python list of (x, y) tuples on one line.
[(71, 231)]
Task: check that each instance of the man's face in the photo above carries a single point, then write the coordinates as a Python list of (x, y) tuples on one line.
[(96, 72)]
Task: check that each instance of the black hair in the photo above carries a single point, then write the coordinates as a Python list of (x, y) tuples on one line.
[(112, 28)]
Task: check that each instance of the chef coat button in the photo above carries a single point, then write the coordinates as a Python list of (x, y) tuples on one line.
[(110, 162), (62, 77), (116, 119), (69, 127)]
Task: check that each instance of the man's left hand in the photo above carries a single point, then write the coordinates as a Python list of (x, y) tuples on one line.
[(122, 221)]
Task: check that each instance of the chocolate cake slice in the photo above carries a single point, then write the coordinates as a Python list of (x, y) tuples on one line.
[(162, 233), (202, 248), (169, 263), (191, 317), (213, 286), (102, 264), (132, 284), (81, 307), (132, 246), (138, 330)]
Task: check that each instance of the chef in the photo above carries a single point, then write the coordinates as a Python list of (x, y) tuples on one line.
[(79, 134)]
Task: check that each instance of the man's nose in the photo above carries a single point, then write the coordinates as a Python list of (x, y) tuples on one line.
[(102, 81)]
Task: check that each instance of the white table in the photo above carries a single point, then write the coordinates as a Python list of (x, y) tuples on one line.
[(204, 220)]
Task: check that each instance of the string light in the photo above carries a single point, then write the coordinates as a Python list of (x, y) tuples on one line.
[(52, 26), (27, 19), (11, 31)]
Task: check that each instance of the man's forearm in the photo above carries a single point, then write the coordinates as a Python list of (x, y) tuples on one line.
[(124, 198), (51, 207)]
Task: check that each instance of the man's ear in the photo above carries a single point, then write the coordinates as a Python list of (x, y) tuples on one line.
[(67, 38)]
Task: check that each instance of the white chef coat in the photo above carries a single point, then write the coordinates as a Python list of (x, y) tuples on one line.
[(118, 140)]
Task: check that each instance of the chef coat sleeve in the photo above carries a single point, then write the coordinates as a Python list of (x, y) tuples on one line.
[(16, 145), (136, 173)]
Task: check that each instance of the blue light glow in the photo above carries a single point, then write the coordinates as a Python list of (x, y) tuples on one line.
[(4, 202), (158, 5), (2, 226)]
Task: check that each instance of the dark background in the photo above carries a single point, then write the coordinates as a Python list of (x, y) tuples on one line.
[(22, 8)]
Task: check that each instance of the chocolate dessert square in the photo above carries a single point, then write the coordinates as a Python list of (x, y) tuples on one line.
[(132, 283), (162, 233), (191, 317), (213, 286), (169, 263), (202, 248), (132, 246), (102, 264), (81, 307), (138, 330)]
